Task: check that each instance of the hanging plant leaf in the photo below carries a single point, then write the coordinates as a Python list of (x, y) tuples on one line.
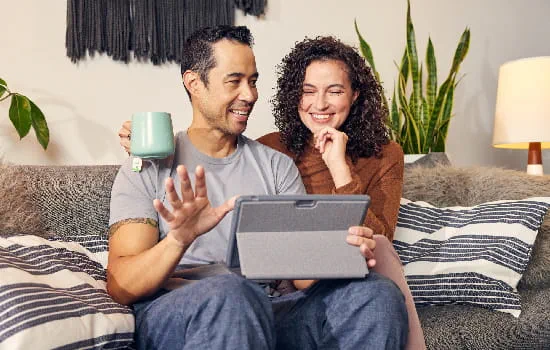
[(20, 114), (3, 87), (40, 126)]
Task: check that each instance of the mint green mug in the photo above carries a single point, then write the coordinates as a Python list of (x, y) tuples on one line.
[(152, 135)]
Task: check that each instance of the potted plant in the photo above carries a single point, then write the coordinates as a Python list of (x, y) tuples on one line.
[(420, 113), (24, 113)]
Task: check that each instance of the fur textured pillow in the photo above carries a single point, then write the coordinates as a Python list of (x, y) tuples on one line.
[(17, 210), (452, 186)]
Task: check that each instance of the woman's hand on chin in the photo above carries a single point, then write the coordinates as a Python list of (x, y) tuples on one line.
[(331, 143)]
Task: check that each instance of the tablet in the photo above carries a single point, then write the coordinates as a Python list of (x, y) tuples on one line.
[(296, 236)]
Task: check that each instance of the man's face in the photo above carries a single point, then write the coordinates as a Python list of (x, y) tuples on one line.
[(226, 103)]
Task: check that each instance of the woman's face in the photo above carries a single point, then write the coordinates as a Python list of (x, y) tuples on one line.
[(327, 95)]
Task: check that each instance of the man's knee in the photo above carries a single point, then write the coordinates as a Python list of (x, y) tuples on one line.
[(195, 314)]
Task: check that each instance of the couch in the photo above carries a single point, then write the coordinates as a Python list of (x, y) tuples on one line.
[(61, 204)]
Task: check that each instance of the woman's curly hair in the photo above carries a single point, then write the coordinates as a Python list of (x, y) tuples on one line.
[(365, 124)]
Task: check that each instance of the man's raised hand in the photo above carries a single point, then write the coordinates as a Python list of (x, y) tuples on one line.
[(191, 215)]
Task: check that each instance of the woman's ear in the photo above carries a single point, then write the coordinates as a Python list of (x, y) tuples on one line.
[(355, 95)]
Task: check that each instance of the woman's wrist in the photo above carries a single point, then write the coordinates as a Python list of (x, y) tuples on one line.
[(341, 174)]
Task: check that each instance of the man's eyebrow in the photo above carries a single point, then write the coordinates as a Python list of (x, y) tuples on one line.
[(240, 75)]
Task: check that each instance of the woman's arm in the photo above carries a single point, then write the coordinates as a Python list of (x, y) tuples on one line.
[(382, 180)]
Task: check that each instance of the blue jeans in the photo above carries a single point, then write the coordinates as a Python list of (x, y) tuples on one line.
[(230, 312)]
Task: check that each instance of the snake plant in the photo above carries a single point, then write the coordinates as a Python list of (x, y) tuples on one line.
[(24, 113), (420, 114)]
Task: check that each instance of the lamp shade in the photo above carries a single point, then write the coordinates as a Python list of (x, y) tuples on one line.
[(522, 113)]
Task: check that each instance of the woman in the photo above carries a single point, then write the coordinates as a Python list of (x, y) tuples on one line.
[(330, 117)]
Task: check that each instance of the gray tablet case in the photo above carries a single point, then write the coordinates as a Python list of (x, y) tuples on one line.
[(296, 237)]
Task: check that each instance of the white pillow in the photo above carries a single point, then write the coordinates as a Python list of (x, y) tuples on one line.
[(53, 295), (468, 255)]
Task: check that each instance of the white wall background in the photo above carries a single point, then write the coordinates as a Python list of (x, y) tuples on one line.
[(86, 103)]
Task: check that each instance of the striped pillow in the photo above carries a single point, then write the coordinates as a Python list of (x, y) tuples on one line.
[(468, 255), (53, 295)]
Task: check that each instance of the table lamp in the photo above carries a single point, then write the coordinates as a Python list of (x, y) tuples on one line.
[(522, 113)]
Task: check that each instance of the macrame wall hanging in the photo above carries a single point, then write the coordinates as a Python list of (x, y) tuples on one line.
[(154, 30)]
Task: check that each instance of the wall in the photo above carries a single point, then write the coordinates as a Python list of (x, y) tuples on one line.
[(85, 103)]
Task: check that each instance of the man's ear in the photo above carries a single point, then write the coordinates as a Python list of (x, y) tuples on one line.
[(192, 82)]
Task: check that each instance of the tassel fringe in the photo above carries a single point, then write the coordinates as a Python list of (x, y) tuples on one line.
[(154, 30)]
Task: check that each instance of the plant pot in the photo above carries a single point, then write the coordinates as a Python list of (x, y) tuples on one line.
[(411, 158), (427, 160)]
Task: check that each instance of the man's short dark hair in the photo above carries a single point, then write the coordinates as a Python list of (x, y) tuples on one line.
[(198, 54)]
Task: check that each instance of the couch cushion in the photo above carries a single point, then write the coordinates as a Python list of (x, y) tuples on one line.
[(56, 292), (451, 186), (474, 328), (17, 209), (470, 255), (69, 203)]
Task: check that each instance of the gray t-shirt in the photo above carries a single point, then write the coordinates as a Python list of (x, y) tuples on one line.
[(252, 169)]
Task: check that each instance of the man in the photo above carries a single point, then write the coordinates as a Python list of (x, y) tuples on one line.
[(159, 222)]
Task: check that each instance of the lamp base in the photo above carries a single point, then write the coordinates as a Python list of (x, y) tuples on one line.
[(534, 159), (535, 169)]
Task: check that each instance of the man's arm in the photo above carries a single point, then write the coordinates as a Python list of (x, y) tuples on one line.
[(138, 263)]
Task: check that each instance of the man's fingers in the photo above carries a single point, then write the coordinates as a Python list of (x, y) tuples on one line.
[(187, 194), (161, 209), (226, 207), (230, 203), (200, 182), (171, 194)]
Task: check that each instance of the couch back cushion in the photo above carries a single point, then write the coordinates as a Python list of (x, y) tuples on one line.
[(17, 208), (451, 186), (69, 203)]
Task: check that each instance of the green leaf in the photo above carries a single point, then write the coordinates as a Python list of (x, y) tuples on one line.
[(366, 51), (461, 50), (40, 126), (431, 84), (3, 87), (412, 133), (416, 102), (445, 120), (425, 124), (439, 145), (404, 69), (20, 114), (395, 120), (436, 116)]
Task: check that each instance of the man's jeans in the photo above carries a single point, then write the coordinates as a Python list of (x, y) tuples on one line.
[(230, 312)]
